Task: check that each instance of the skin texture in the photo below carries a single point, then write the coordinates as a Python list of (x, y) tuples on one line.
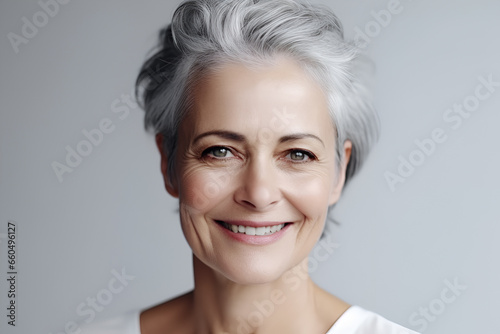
[(258, 145)]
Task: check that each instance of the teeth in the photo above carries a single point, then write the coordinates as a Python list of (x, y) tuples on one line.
[(250, 230)]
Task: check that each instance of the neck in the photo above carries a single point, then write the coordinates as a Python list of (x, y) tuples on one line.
[(291, 304)]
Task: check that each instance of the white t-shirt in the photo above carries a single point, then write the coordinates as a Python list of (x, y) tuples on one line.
[(355, 320)]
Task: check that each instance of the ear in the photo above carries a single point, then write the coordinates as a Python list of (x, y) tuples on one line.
[(170, 186), (339, 185)]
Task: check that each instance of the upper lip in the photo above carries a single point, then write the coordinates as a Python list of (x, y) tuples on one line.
[(251, 223)]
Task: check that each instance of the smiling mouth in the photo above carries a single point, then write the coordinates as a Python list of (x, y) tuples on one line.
[(250, 230)]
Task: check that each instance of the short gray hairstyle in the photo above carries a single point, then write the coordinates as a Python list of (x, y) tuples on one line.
[(205, 34)]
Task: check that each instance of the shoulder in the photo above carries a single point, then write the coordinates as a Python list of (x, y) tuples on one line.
[(169, 317), (172, 316), (357, 320), (123, 324)]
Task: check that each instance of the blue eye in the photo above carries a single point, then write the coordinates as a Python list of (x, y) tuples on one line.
[(218, 152)]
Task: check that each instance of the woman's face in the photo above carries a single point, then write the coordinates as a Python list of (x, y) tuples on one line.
[(255, 170)]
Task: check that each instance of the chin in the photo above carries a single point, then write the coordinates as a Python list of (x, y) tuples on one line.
[(245, 273)]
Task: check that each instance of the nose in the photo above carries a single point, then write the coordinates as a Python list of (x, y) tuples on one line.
[(258, 188)]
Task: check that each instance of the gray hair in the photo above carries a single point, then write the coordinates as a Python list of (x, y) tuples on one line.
[(205, 34)]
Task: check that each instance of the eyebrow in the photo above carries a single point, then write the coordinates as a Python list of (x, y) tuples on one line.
[(230, 135), (296, 136), (223, 134)]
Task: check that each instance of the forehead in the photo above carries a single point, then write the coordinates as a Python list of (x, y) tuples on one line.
[(241, 97)]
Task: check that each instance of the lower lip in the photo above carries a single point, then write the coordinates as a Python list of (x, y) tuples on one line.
[(255, 239)]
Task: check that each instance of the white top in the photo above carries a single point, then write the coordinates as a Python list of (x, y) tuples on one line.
[(355, 320)]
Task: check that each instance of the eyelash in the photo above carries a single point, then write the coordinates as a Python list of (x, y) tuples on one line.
[(206, 154), (310, 155)]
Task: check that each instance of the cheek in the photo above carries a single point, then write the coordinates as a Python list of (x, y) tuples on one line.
[(203, 188), (312, 200), (310, 194)]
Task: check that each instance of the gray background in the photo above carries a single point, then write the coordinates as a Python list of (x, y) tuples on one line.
[(396, 248)]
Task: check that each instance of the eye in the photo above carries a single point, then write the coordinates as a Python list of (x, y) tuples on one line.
[(218, 152), (300, 155)]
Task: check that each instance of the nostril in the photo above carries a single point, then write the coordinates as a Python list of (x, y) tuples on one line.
[(257, 194), (249, 203)]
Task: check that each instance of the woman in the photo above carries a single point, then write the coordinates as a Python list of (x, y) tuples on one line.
[(260, 120)]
